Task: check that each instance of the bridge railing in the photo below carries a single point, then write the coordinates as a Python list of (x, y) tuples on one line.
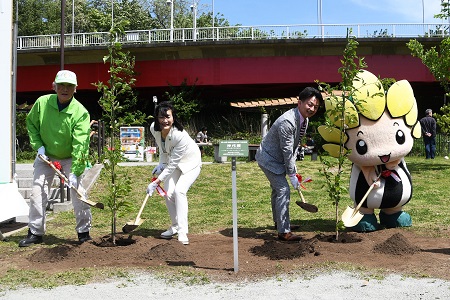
[(263, 32)]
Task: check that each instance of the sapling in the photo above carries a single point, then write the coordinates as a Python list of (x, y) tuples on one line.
[(117, 94), (332, 168)]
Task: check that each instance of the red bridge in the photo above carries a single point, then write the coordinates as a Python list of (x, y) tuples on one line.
[(230, 70)]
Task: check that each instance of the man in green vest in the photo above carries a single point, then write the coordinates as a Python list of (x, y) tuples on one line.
[(59, 128)]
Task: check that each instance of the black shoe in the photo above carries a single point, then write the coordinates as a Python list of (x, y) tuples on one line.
[(84, 237), (31, 239)]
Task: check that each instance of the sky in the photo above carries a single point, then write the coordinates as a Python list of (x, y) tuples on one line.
[(288, 12)]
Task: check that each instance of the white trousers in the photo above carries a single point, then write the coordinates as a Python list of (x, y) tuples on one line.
[(42, 180), (177, 186)]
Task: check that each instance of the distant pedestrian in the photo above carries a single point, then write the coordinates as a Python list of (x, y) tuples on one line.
[(202, 137), (428, 124)]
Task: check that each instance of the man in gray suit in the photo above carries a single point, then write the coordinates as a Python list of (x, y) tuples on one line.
[(276, 157)]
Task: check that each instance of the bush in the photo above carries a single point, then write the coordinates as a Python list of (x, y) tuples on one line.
[(25, 156)]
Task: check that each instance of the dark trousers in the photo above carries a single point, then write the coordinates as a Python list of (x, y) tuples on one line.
[(430, 146)]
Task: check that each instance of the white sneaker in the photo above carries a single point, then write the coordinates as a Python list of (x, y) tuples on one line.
[(182, 238), (169, 233)]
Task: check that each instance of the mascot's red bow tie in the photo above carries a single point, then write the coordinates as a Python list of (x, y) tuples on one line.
[(387, 173)]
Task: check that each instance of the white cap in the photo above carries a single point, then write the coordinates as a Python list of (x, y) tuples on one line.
[(66, 76)]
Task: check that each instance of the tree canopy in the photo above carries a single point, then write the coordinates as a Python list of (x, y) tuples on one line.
[(437, 60), (40, 17)]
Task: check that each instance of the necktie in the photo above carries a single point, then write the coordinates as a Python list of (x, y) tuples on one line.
[(301, 133), (303, 129)]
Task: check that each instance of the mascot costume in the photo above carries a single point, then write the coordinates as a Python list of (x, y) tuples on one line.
[(379, 132)]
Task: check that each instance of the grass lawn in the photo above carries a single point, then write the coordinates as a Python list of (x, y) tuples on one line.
[(210, 198)]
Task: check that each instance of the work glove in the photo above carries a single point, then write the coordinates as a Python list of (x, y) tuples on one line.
[(73, 180), (41, 151), (151, 188), (158, 169), (294, 180)]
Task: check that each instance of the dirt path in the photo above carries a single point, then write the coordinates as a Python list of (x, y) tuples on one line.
[(260, 254)]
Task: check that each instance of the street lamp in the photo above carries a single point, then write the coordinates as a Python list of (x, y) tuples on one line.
[(112, 14), (213, 20), (73, 20), (423, 13), (319, 16), (194, 10), (63, 29), (170, 2)]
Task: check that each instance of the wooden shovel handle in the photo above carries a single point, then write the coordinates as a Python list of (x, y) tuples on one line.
[(301, 195), (138, 217), (365, 196), (63, 177)]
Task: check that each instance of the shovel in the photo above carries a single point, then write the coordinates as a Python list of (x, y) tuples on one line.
[(132, 225), (306, 206), (80, 195), (352, 216)]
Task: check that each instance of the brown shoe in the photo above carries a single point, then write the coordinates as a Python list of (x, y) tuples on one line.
[(292, 227), (289, 236)]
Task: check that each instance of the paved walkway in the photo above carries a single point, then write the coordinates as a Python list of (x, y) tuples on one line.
[(333, 285)]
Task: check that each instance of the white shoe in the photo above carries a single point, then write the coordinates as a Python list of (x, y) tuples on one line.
[(169, 233), (182, 238)]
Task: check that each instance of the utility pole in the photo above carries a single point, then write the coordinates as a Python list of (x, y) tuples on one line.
[(63, 29)]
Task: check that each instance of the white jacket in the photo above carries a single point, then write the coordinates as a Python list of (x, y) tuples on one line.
[(179, 151)]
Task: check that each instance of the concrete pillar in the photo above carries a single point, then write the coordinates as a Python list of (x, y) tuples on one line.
[(264, 124), (12, 203)]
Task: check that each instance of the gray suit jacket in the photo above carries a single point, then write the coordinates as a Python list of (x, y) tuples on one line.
[(277, 150)]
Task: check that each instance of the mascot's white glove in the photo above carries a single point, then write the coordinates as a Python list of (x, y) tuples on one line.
[(41, 151), (73, 180), (294, 181), (158, 169), (151, 188)]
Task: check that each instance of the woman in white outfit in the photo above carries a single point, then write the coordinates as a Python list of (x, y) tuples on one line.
[(178, 168)]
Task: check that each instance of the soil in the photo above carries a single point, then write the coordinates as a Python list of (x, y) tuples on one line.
[(261, 254)]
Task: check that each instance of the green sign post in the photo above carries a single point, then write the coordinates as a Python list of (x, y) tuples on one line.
[(238, 148)]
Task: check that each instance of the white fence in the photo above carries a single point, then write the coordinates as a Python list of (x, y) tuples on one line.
[(264, 32)]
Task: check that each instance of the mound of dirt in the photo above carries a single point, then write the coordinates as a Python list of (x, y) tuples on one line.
[(396, 245)]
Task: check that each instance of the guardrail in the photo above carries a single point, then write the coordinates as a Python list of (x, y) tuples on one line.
[(263, 32)]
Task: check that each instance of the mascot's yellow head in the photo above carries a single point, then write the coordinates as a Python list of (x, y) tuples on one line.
[(379, 127)]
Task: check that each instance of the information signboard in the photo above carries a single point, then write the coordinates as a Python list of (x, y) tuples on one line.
[(237, 148)]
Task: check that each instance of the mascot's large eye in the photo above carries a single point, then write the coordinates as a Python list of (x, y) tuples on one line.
[(400, 137), (361, 147)]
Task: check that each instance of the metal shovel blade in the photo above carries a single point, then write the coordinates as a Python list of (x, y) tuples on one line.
[(351, 217), (132, 225), (80, 195), (306, 206)]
